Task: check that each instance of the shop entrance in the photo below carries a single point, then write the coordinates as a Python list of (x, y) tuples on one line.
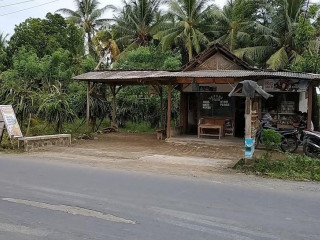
[(192, 113)]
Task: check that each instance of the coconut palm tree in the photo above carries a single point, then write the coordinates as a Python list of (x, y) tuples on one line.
[(232, 25), (88, 17), (275, 44), (105, 44), (138, 21), (191, 26)]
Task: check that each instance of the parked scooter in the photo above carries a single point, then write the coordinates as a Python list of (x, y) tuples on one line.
[(311, 144), (289, 142)]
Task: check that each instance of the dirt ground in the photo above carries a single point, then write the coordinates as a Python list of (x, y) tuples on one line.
[(143, 152)]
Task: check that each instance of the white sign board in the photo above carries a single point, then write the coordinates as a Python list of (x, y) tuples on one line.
[(285, 85), (10, 121)]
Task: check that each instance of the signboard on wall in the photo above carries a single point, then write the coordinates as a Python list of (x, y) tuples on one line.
[(285, 85), (196, 87), (215, 105), (10, 121)]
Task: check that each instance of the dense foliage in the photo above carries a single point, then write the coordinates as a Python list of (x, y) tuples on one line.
[(295, 167), (38, 61)]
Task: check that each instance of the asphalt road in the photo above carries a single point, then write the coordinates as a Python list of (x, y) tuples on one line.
[(40, 200)]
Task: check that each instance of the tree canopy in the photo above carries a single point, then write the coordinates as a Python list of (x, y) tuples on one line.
[(38, 61)]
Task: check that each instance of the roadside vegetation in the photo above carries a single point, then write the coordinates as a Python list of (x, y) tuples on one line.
[(275, 164), (38, 61), (290, 166)]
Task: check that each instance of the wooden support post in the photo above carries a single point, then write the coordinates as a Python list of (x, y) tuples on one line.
[(169, 111), (114, 93), (161, 107), (248, 118), (310, 95), (88, 107)]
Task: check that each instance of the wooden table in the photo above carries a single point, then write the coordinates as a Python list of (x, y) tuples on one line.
[(201, 127)]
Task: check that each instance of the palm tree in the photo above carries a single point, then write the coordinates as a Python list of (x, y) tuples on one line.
[(275, 43), (191, 26), (232, 25), (105, 44), (88, 17), (139, 20)]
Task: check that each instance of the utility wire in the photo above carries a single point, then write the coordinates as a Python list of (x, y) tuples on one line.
[(1, 15), (12, 4)]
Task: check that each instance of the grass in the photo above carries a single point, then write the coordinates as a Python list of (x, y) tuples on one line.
[(293, 166), (142, 127)]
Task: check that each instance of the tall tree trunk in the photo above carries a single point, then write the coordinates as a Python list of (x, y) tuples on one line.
[(89, 41)]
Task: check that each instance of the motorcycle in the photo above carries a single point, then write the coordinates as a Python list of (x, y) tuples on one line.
[(289, 141), (311, 144)]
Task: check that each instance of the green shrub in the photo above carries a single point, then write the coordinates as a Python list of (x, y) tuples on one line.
[(271, 139), (292, 167)]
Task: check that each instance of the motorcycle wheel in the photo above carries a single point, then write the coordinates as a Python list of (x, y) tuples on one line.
[(308, 151), (289, 145)]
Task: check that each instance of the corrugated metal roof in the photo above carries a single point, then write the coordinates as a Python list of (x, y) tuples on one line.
[(245, 74), (127, 75), (122, 75)]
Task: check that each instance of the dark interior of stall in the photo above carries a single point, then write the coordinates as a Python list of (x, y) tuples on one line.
[(240, 103), (215, 108), (285, 105)]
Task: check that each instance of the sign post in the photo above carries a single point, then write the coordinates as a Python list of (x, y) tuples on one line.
[(249, 89), (9, 122)]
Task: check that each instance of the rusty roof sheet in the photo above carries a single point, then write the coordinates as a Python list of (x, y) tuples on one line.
[(122, 75), (106, 76), (246, 74)]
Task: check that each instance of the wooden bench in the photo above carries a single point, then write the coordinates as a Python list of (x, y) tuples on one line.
[(201, 127), (211, 124), (36, 142)]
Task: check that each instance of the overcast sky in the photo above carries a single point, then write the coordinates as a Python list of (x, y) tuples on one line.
[(7, 22)]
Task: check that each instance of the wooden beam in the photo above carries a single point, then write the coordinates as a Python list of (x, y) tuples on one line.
[(88, 107), (113, 114), (169, 111), (248, 118), (310, 95), (188, 80), (184, 111), (162, 113)]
